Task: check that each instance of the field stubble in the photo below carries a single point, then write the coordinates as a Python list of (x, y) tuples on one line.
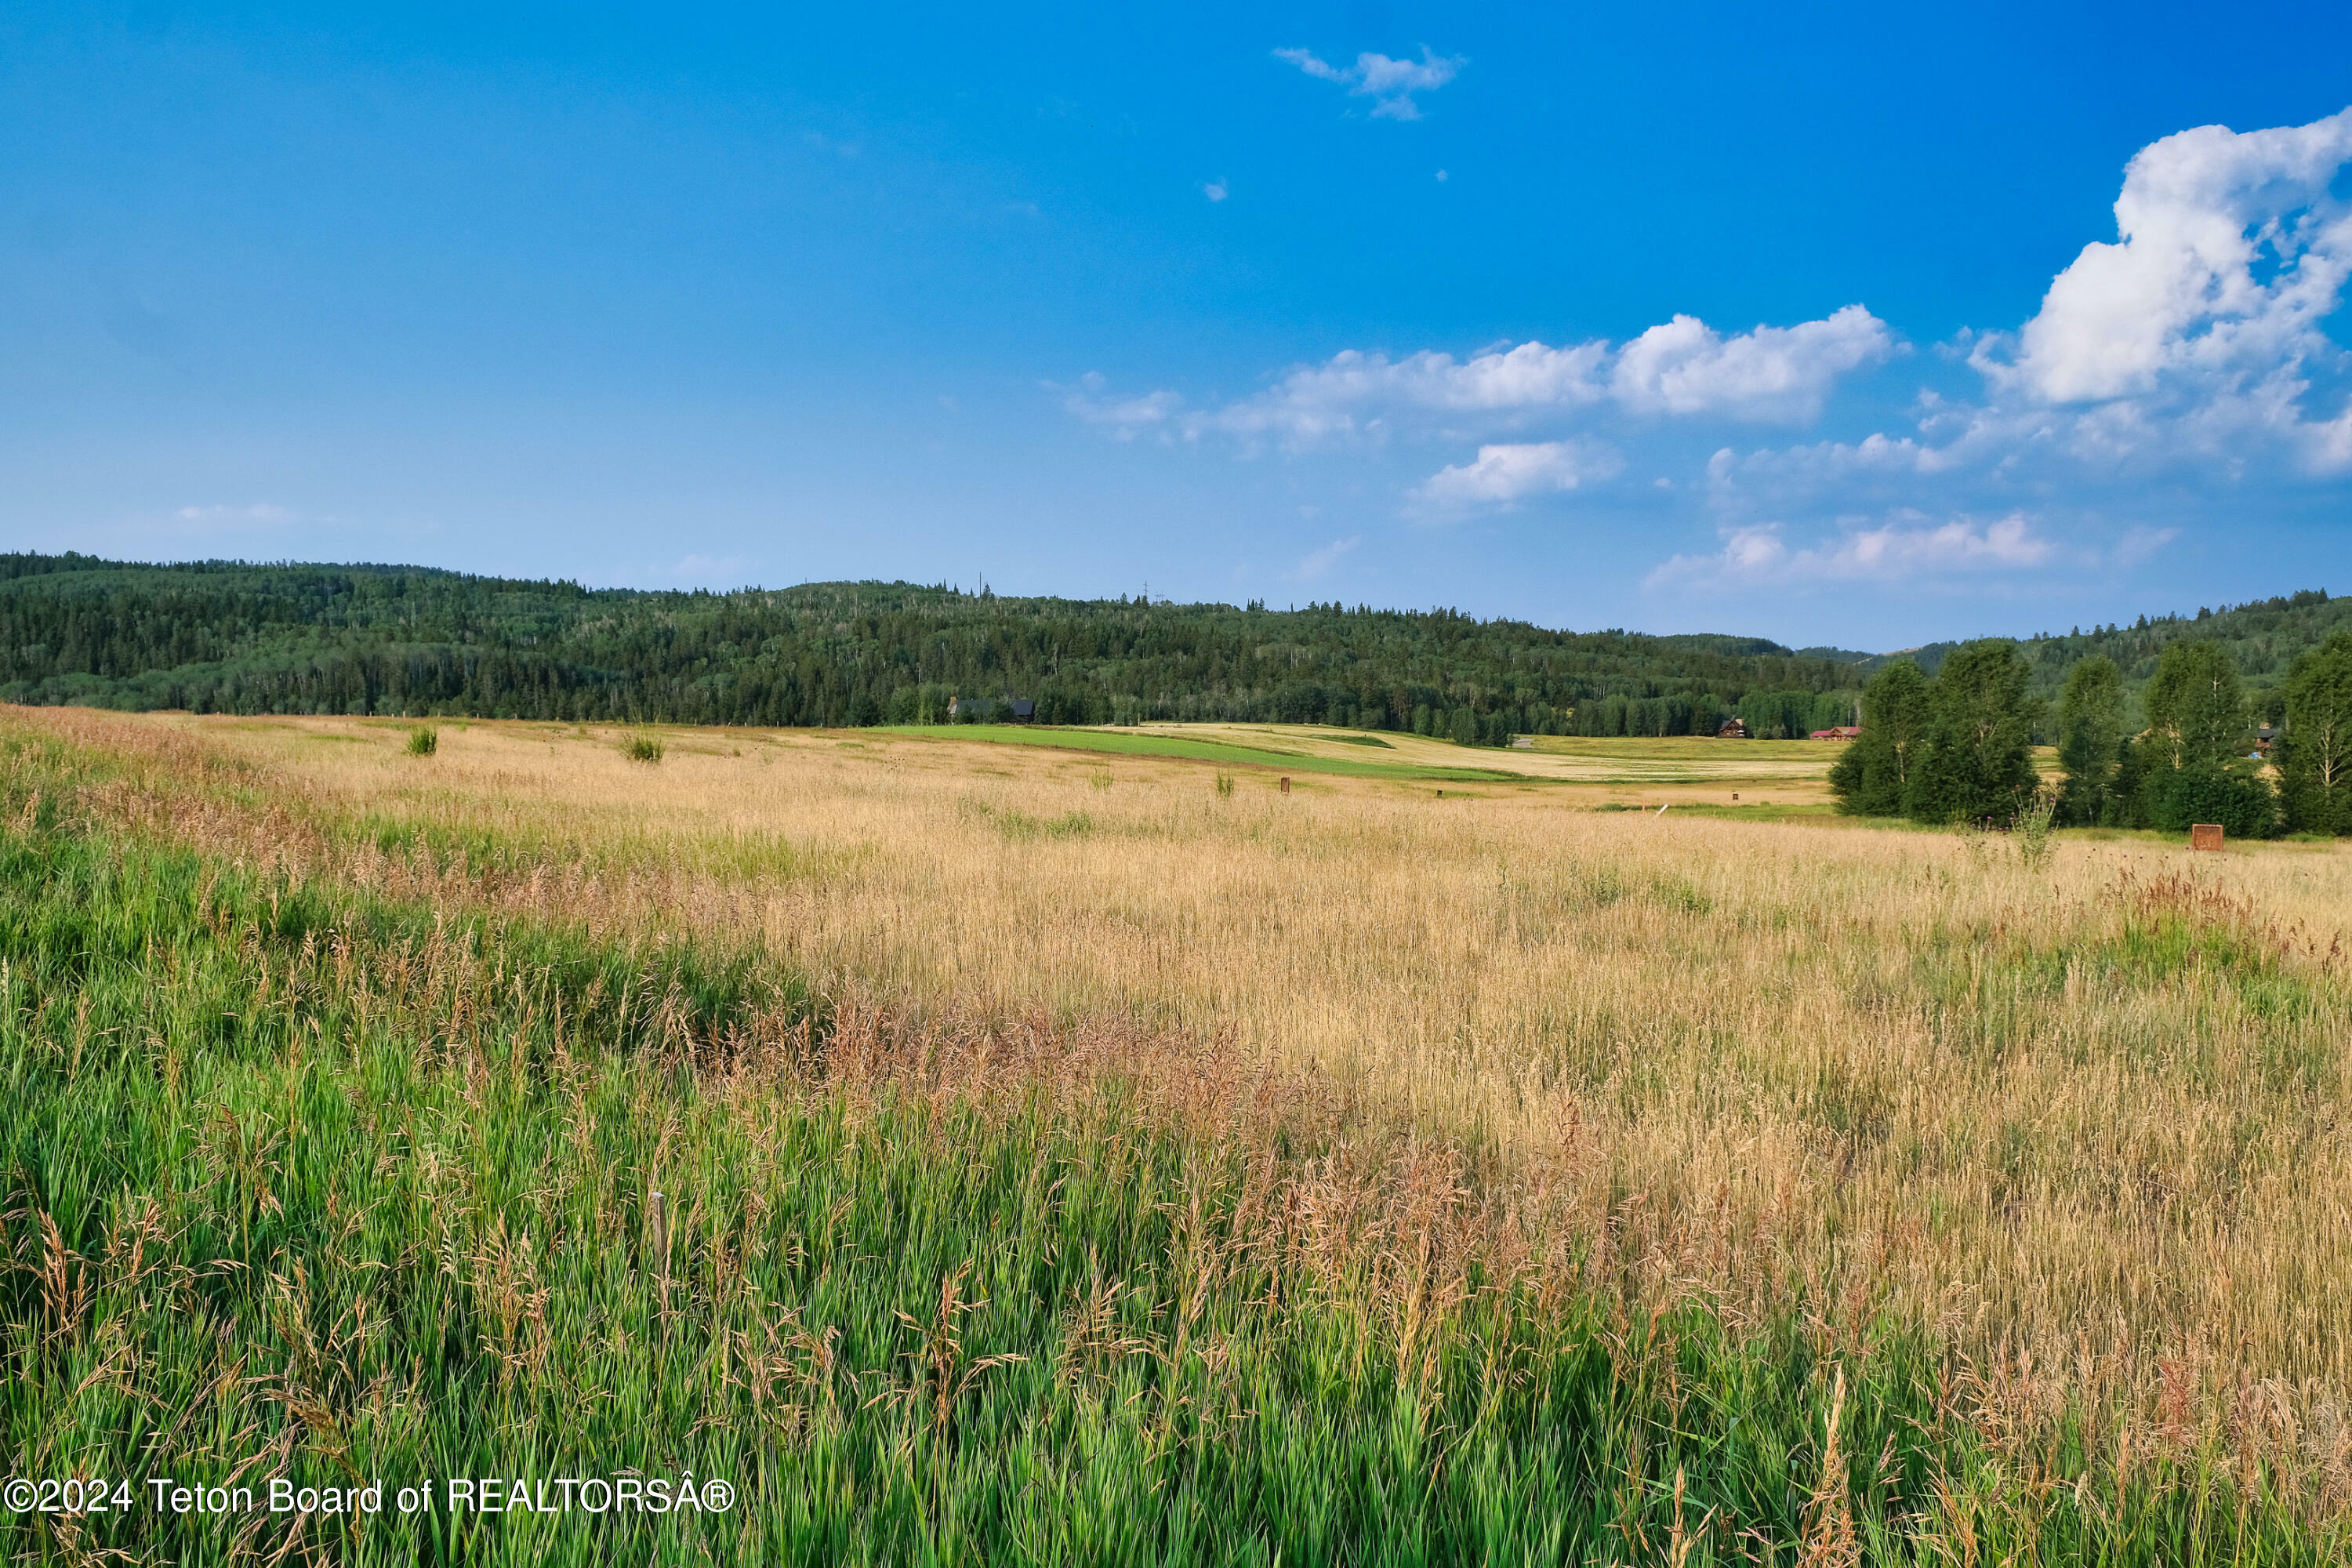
[(2086, 1126)]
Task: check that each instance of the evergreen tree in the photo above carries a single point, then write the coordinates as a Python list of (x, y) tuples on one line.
[(2315, 754), (1977, 766), (2090, 737), (1873, 777)]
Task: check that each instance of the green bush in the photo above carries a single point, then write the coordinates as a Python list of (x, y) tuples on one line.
[(2242, 803), (424, 740), (645, 746)]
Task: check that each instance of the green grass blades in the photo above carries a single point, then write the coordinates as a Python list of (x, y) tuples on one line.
[(309, 1189)]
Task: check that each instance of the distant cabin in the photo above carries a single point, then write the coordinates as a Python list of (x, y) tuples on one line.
[(1842, 732), (1733, 729), (2263, 737)]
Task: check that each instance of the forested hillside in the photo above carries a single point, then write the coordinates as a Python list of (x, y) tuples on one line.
[(235, 638), (2262, 637)]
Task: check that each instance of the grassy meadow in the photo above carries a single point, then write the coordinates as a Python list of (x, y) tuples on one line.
[(1654, 770), (1087, 1156)]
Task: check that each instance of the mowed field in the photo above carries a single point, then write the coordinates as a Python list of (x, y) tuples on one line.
[(1685, 769), (2069, 1143)]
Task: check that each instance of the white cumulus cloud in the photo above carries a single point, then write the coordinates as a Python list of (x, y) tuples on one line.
[(2230, 250), (2185, 361), (1353, 391), (1685, 368), (1505, 473), (2179, 371), (1390, 83), (1772, 374)]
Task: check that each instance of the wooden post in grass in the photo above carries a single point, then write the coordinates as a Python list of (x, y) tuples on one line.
[(1285, 784), (2205, 835)]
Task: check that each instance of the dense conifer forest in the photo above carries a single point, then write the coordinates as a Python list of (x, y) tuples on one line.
[(221, 637), (2264, 637), (233, 638)]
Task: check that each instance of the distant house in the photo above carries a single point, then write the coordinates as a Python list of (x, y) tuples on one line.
[(1842, 732), (2263, 739), (1733, 728), (1024, 709)]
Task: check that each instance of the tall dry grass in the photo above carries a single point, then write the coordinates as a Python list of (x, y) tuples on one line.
[(2089, 1124)]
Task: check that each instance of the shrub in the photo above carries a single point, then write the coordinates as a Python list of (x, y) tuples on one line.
[(424, 740), (645, 746), (2031, 825), (2206, 792)]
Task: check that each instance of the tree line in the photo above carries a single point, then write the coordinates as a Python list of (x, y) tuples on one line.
[(226, 637), (2264, 637), (1956, 746)]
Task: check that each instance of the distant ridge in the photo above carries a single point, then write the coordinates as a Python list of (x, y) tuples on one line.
[(288, 637), (2263, 636), (305, 638)]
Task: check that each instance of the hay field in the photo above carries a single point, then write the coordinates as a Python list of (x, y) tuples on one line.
[(2101, 1100), (2084, 1123), (1662, 768)]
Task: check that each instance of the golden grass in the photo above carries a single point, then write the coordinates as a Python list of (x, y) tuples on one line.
[(1800, 768), (2091, 1125)]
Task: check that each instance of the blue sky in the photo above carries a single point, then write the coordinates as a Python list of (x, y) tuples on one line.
[(1813, 323)]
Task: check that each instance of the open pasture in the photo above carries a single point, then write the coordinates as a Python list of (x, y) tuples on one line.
[(1655, 769), (2042, 1095), (2077, 1128)]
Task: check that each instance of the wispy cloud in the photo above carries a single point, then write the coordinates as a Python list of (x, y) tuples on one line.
[(1504, 474), (1315, 564), (712, 571), (1124, 418), (1897, 550), (1216, 190), (1685, 368), (260, 512), (1390, 83)]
